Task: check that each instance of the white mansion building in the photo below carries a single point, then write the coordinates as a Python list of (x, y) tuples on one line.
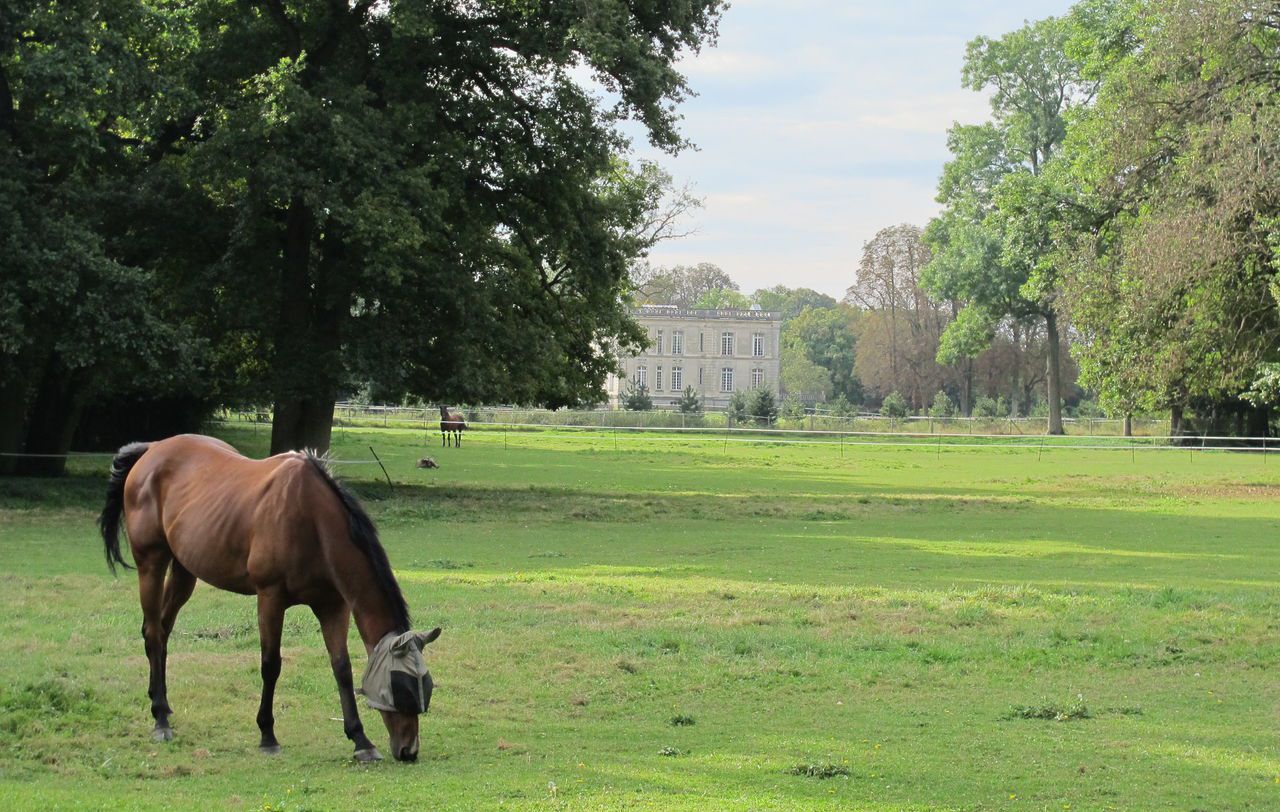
[(717, 352)]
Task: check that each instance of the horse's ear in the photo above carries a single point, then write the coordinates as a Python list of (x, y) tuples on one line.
[(422, 638)]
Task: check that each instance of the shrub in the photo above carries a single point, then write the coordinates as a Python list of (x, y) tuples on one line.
[(690, 402), (763, 406), (839, 406), (894, 405), (942, 405), (986, 407), (792, 408), (739, 406), (636, 398), (819, 770)]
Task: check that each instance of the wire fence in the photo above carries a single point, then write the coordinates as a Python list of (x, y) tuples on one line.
[(356, 415), (609, 426)]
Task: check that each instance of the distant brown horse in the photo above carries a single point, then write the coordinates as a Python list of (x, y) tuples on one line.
[(451, 424), (282, 529)]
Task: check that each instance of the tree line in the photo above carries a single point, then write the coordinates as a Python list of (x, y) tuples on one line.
[(1123, 198), (221, 203), (1112, 231)]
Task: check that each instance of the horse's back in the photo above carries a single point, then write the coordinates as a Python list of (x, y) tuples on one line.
[(231, 521)]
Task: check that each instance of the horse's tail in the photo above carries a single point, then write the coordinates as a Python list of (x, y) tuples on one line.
[(109, 520)]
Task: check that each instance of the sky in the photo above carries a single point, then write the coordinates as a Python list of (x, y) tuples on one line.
[(819, 122)]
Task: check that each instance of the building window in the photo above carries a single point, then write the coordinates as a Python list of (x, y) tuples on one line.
[(677, 377), (726, 379), (757, 378), (726, 344), (640, 376), (657, 380), (757, 345), (699, 377), (677, 342), (657, 346), (702, 343)]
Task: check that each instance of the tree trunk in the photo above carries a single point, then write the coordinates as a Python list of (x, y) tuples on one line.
[(302, 422), (307, 361), (1175, 420), (1259, 420), (1053, 376), (1128, 424), (52, 422), (18, 388), (15, 394), (966, 389), (1016, 386)]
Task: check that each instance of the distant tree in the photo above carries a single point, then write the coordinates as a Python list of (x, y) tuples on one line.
[(894, 405), (680, 285), (1168, 281), (942, 405), (802, 378), (722, 298), (690, 401), (636, 398), (898, 335), (763, 406), (992, 244), (791, 302), (739, 409), (826, 338)]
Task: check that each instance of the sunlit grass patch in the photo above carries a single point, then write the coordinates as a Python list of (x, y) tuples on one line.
[(883, 613)]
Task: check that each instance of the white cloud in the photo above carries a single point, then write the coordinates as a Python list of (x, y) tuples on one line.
[(820, 122)]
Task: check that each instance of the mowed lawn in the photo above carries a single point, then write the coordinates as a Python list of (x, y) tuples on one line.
[(679, 623)]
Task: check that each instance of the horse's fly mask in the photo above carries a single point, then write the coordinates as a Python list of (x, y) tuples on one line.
[(396, 678)]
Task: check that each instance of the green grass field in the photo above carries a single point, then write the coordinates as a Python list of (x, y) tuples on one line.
[(680, 623)]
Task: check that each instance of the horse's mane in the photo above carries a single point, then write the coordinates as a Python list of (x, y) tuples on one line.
[(365, 536)]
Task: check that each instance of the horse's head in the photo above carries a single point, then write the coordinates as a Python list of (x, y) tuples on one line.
[(398, 685)]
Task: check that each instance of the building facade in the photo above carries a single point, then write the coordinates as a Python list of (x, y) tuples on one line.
[(717, 352)]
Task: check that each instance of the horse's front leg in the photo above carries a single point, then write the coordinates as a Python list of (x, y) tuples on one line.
[(335, 620), (271, 606)]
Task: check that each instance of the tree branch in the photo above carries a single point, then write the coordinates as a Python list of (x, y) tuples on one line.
[(292, 36)]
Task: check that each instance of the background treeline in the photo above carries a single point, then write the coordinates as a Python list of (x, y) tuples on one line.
[(1113, 230), (271, 202)]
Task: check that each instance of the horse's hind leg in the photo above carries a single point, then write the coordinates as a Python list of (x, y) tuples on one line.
[(151, 569), (335, 620), (177, 591), (270, 625)]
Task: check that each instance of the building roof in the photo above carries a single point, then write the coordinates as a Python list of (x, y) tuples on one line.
[(675, 312)]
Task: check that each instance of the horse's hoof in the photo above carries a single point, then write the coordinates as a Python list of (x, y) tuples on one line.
[(162, 734), (368, 754), (269, 749)]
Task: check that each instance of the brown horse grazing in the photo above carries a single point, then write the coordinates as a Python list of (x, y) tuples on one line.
[(282, 529), (451, 424)]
